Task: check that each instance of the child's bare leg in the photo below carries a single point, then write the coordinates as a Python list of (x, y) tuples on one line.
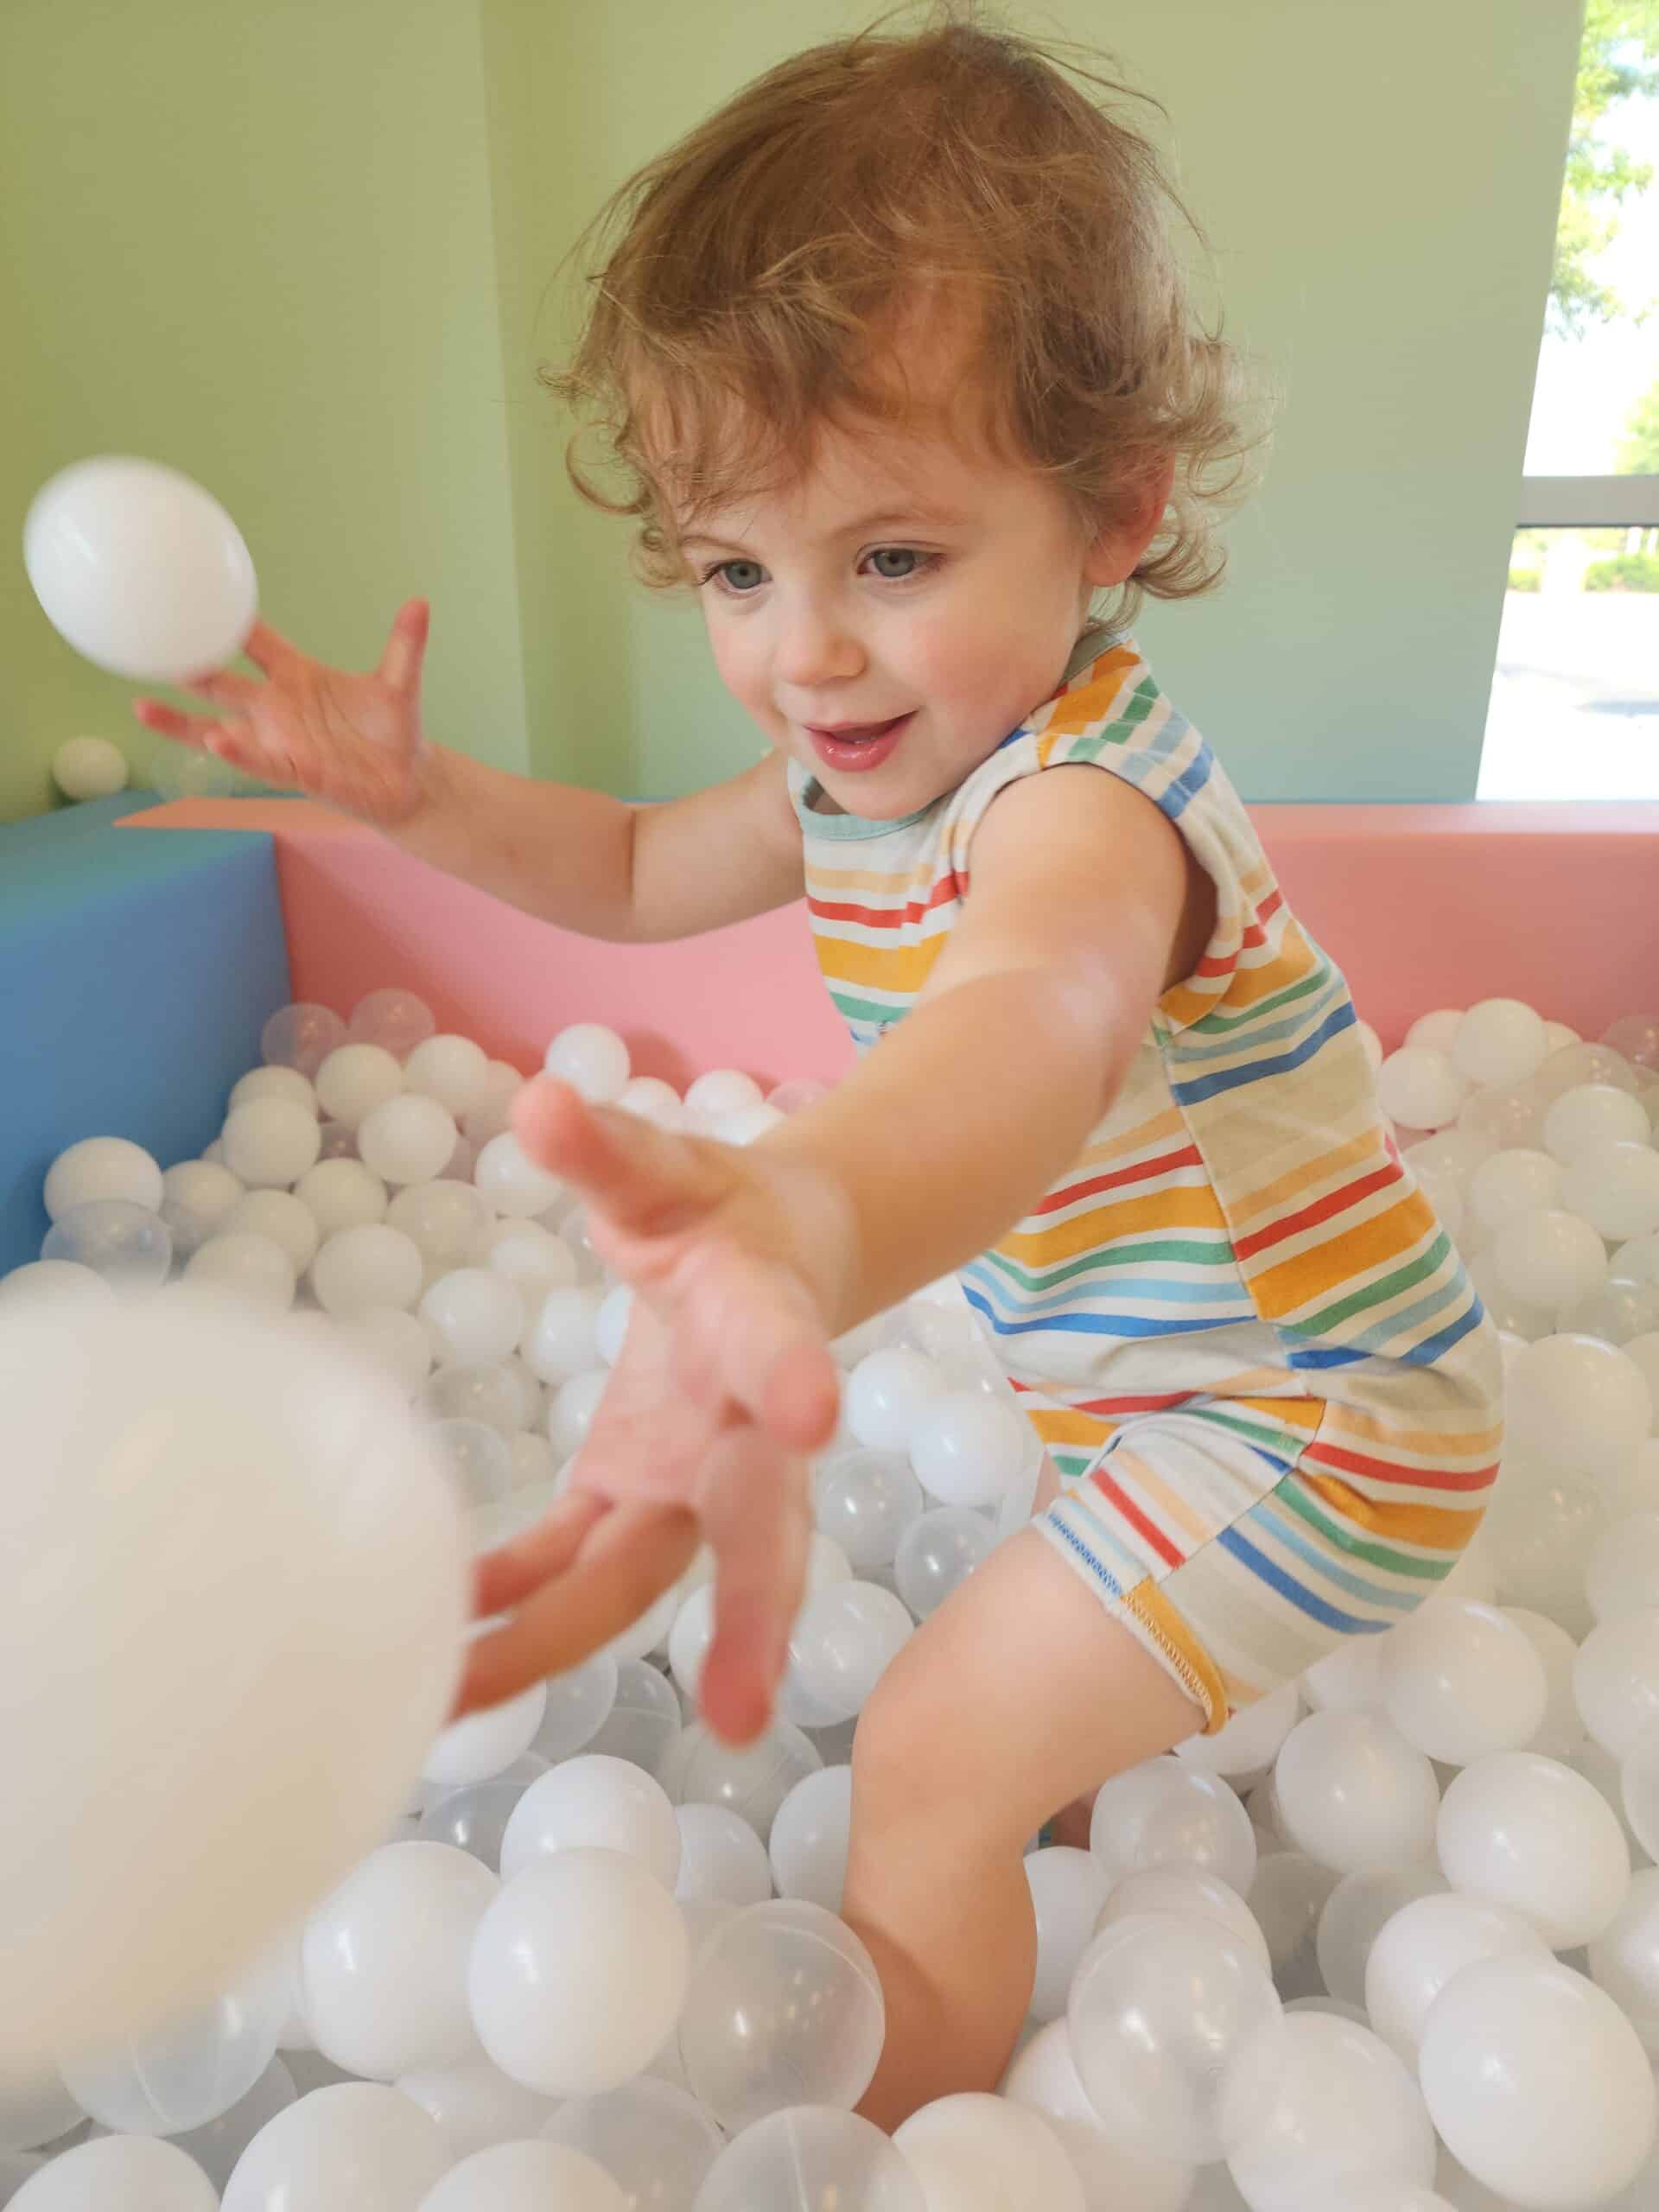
[(1019, 1692), (1072, 1823)]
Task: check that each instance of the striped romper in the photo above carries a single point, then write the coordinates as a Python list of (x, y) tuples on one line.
[(1270, 1390)]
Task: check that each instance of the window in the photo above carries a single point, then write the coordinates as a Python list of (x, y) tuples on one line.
[(1574, 709)]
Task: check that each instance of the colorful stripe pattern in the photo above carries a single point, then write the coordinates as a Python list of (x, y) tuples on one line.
[(1235, 1321)]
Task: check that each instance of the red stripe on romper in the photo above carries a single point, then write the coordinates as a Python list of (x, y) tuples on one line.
[(1137, 1520), (1384, 1471), (1143, 1171), (1333, 1202)]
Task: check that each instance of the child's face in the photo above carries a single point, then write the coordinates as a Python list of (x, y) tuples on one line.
[(927, 596)]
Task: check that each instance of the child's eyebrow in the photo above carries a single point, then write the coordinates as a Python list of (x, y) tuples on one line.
[(897, 518)]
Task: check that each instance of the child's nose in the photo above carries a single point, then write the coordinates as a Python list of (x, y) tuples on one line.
[(816, 647)]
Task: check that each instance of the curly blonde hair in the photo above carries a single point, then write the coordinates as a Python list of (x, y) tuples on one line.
[(763, 276)]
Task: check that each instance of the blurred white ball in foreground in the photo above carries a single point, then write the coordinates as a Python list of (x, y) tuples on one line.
[(533, 2176), (139, 568), (354, 2143), (89, 768), (119, 2173), (233, 1542), (976, 2153)]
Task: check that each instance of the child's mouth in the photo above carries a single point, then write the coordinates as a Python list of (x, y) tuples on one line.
[(863, 746)]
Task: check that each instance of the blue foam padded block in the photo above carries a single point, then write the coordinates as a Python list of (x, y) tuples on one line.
[(138, 968)]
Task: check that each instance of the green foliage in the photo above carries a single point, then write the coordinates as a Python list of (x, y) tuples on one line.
[(1630, 572), (1619, 58), (1638, 454), (1525, 580)]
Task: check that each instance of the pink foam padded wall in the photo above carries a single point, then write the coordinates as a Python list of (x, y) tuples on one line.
[(1420, 905)]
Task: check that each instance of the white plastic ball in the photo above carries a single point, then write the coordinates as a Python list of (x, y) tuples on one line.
[(886, 1395), (1616, 1188), (1311, 2102), (354, 1079), (1423, 1946), (1622, 1574), (1615, 1679), (253, 1266), (1548, 1257), (1459, 1682), (384, 1960), (716, 1095), (512, 1182), (476, 2105), (89, 768), (1436, 1031), (578, 1973), (118, 2173), (1592, 1115), (139, 568), (1352, 1793), (1531, 1833), (270, 1142), (592, 1059), (1354, 1913), (976, 2153), (452, 1070), (1623, 1960), (1164, 1813), (103, 1167), (274, 1082), (1499, 1040), (650, 2136), (311, 1550), (1512, 1182), (1577, 1403), (1186, 1890), (355, 2143), (751, 1779), (1044, 2078), (186, 2073), (408, 1139), (968, 1449), (843, 1640), (372, 1265), (571, 1415), (611, 1323), (1251, 1739), (722, 1860), (784, 2008), (341, 1194), (579, 1702), (476, 1317), (937, 1553), (1068, 1890), (1537, 2083), (197, 1194), (594, 1802), (1421, 1087), (808, 1849), (281, 1217), (654, 1101), (806, 2158), (562, 1341), (485, 1742)]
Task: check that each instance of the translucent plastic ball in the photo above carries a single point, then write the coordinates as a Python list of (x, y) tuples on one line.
[(1549, 1257), (486, 1743), (89, 768), (808, 1848), (976, 2153), (967, 1448), (311, 1549), (1417, 1951), (1499, 1040), (354, 1079), (592, 1059), (689, 1639), (512, 1182), (1537, 2083), (1531, 1833), (139, 568), (35, 2108), (1159, 2006), (186, 2073), (1577, 1403), (721, 1092), (1624, 1958), (1350, 1791), (806, 2158), (475, 1316), (1164, 1813), (1616, 1680), (1421, 1087), (397, 1020), (1591, 1117), (103, 1167), (1638, 1784), (1459, 1680), (355, 2143), (1044, 2079), (490, 1394), (644, 1719), (218, 2144), (1637, 1037), (571, 1413), (864, 1502), (1184, 1890), (652, 2137), (598, 1802), (372, 1265), (1616, 1188), (1068, 1890), (722, 1860), (1579, 1066), (885, 1395), (476, 2105), (474, 1817), (751, 1779), (197, 1194), (118, 2173), (578, 1973), (301, 1036), (1354, 1913), (128, 1245), (784, 2008), (937, 1553), (384, 1960), (561, 1341), (579, 1703), (1288, 1898), (653, 1101), (1514, 1182), (1311, 2101), (844, 1638)]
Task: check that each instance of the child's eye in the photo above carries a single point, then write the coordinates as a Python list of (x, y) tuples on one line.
[(918, 563), (736, 578)]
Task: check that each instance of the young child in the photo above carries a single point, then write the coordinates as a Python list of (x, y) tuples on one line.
[(898, 359)]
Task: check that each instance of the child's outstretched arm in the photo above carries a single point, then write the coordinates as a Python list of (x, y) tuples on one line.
[(1084, 906), (583, 858)]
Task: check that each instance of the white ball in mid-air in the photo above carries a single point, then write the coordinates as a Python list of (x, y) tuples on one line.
[(89, 768), (224, 1535), (140, 568)]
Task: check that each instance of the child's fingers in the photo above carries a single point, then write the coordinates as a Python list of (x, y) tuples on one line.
[(502, 1577), (760, 1340), (755, 1515), (400, 663), (647, 1182), (638, 1553), (267, 650)]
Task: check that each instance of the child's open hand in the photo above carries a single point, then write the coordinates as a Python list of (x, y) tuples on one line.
[(726, 1381), (350, 740)]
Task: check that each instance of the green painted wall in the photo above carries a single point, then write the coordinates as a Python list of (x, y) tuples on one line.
[(305, 249)]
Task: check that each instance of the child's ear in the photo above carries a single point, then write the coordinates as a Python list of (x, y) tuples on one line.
[(1120, 543)]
